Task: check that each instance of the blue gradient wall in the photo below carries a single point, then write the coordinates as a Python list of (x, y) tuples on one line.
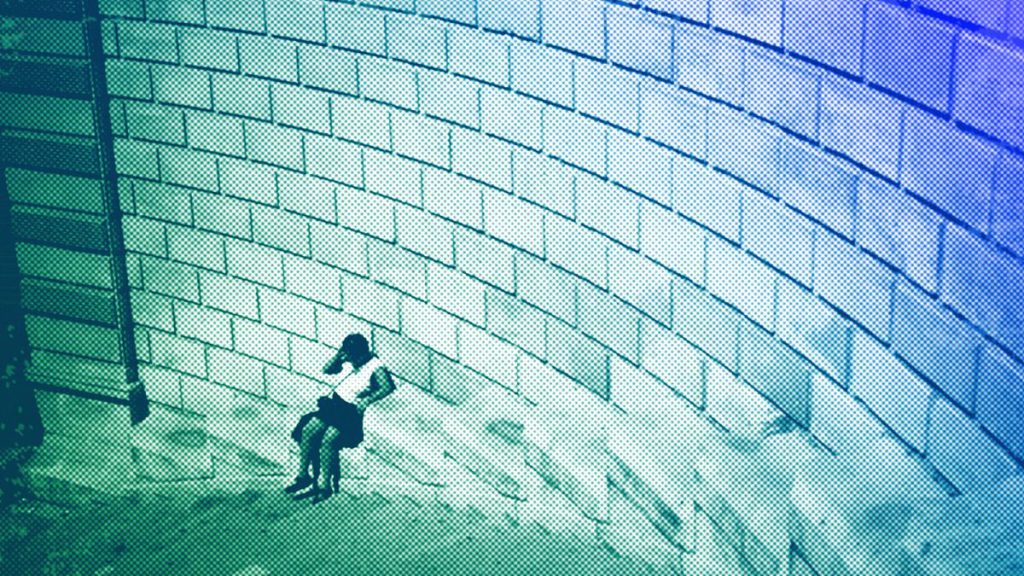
[(742, 214)]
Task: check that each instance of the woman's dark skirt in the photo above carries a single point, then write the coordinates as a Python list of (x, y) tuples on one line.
[(338, 414)]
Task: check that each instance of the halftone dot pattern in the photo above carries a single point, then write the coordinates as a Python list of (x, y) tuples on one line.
[(667, 286)]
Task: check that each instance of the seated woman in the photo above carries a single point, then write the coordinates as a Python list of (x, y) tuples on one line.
[(359, 379)]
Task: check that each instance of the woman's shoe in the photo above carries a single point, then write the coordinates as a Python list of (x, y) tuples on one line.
[(299, 483), (321, 494)]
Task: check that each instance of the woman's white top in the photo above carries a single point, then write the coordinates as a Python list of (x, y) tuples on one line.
[(349, 383)]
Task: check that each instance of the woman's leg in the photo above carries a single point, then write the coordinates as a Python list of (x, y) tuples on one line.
[(328, 453), (312, 436)]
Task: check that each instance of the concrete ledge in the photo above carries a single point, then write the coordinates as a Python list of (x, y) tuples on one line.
[(406, 430)]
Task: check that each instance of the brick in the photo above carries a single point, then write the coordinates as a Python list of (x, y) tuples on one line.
[(133, 263), (765, 222), (608, 94), (578, 250), (519, 17), (547, 288), (430, 327), (203, 324), (641, 283), (162, 385), (694, 10), (640, 166), (205, 48), (66, 265), (515, 321), (170, 278), (482, 158), (146, 41), (222, 215), (823, 188), (51, 114), (761, 20), (162, 202), (298, 19), (237, 371), (370, 301), (511, 117), (543, 73), (128, 79), (339, 247), (288, 232), (255, 263), (135, 159), (899, 230), (461, 11), (196, 247), (862, 124), (479, 56), (710, 63), (834, 41), (963, 453), (99, 342), (153, 310), (299, 107), (608, 320), (909, 54), (55, 190), (456, 293), (216, 133), (248, 181), (154, 122), (268, 58), (742, 281), (398, 268), (544, 181), (328, 69), (672, 241), (189, 168), (242, 95), (485, 259), (313, 281), (287, 312), (777, 372), (333, 326), (743, 147), (414, 41), (1000, 399), (308, 196), (71, 302), (422, 139), (1015, 25), (874, 375), (452, 197), (424, 234), (262, 342), (334, 160), (389, 82), (840, 421), (450, 98), (576, 140), (673, 361), (225, 14), (362, 122), (653, 56), (178, 354), (356, 28), (367, 213), (814, 329), (513, 221), (578, 357), (274, 145), (405, 358), (46, 226), (948, 168), (740, 409), (855, 283), (1007, 196), (608, 209), (575, 26), (783, 91), (453, 383), (488, 356), (981, 285), (710, 198), (182, 86), (229, 294)]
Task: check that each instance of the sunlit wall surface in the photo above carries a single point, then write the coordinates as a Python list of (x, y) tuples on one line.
[(800, 215)]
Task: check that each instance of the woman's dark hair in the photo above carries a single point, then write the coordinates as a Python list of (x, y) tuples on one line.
[(354, 349)]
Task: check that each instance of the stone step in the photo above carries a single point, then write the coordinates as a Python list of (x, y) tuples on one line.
[(406, 430), (170, 446)]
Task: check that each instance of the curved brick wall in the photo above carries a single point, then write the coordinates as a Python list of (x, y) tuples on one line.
[(737, 216)]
